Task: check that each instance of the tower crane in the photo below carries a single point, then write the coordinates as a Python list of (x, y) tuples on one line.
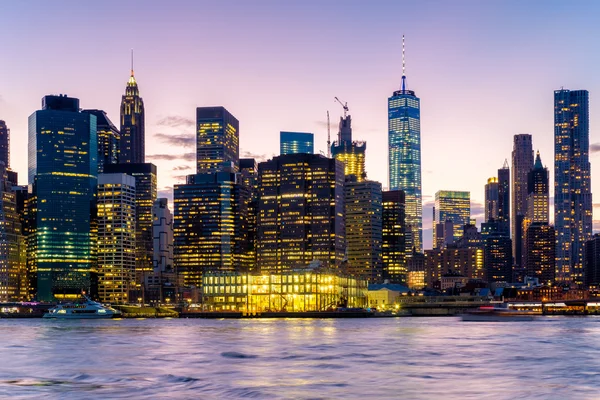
[(344, 105)]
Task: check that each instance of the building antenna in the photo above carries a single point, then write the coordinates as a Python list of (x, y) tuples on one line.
[(403, 67), (131, 62), (328, 136)]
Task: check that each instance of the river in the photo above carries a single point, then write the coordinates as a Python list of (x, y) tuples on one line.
[(385, 358)]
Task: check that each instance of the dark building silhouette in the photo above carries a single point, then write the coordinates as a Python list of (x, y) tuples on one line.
[(393, 238), (504, 198), (4, 144), (108, 139), (541, 252), (498, 258), (592, 261)]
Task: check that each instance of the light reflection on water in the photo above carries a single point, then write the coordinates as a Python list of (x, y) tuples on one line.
[(348, 358)]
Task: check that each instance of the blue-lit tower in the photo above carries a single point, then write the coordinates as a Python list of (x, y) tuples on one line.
[(404, 142), (295, 143)]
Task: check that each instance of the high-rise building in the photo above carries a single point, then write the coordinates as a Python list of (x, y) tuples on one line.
[(351, 153), (592, 262), (109, 139), (300, 212), (452, 206), (210, 228), (116, 237), (465, 261), (133, 133), (296, 142), (404, 146), (522, 163), (572, 190), (541, 252), (4, 144), (393, 243), (538, 193), (444, 234), (363, 211), (491, 199), (63, 171), (498, 258), (249, 176), (217, 140), (162, 232), (504, 198)]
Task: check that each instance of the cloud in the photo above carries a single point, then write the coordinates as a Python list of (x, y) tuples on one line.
[(256, 156), (175, 121), (172, 157), (594, 147), (179, 178), (477, 209), (182, 168), (182, 139)]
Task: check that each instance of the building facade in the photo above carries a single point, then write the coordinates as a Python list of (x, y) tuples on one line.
[(350, 153), (217, 140), (4, 144), (452, 206), (492, 199), (522, 163), (498, 258), (393, 247), (109, 139), (133, 131), (592, 262), (296, 142), (541, 252), (504, 198)]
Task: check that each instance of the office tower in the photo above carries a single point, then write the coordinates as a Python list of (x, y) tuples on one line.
[(296, 142), (415, 270), (217, 140), (393, 247), (351, 153), (592, 262), (363, 211), (538, 193), (504, 198), (492, 199), (210, 228), (300, 212), (541, 252), (466, 261), (63, 171), (249, 176), (145, 196), (133, 134), (27, 211), (452, 206), (572, 190), (109, 138), (522, 163), (498, 257), (116, 237), (4, 144), (162, 232), (404, 145)]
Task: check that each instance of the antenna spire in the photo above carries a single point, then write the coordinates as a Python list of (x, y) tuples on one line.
[(131, 62), (403, 68)]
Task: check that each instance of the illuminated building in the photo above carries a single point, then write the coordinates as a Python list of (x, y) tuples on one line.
[(538, 203), (27, 211), (145, 196), (351, 153), (249, 175), (416, 271), (498, 257), (522, 163), (63, 171), (297, 290), (541, 252), (363, 210), (404, 146), (133, 136), (491, 199), (504, 198), (592, 261), (452, 206), (217, 139), (467, 261), (300, 212), (4, 144), (108, 139), (116, 237), (572, 190), (210, 225), (393, 249), (296, 142)]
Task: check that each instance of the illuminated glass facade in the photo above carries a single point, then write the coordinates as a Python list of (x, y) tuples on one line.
[(572, 190), (404, 153), (133, 134), (4, 144), (63, 171), (116, 237), (540, 248), (217, 140), (350, 153), (452, 206), (108, 139), (393, 242), (300, 212), (296, 142), (491, 199), (522, 163)]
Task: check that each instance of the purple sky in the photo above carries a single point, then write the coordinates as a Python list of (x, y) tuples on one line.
[(484, 71)]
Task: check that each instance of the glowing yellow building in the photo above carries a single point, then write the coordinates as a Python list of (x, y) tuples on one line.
[(352, 154)]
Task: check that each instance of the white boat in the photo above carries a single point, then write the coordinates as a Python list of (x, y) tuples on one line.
[(87, 309), (497, 314)]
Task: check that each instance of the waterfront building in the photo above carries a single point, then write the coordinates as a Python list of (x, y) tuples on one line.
[(492, 200), (109, 138), (350, 153), (63, 171), (393, 249), (116, 237), (498, 257), (4, 144), (164, 281), (249, 175), (296, 142), (415, 266), (522, 163), (217, 140), (133, 134), (572, 190), (466, 261), (210, 228), (504, 198), (300, 212), (452, 206), (541, 252), (363, 212), (592, 262)]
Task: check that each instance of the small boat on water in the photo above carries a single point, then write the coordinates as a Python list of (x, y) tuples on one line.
[(497, 314), (86, 309)]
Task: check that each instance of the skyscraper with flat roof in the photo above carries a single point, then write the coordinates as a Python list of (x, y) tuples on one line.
[(217, 140), (491, 199), (504, 198), (296, 142), (452, 206), (133, 128), (393, 237), (108, 139), (522, 163), (4, 144)]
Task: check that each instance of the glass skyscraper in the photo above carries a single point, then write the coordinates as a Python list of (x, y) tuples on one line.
[(217, 140), (108, 139), (572, 191), (452, 206), (522, 163), (63, 171), (296, 142)]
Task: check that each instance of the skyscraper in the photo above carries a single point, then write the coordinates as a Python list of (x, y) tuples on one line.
[(393, 242), (249, 178), (538, 193), (133, 135), (541, 252), (296, 142), (217, 140), (491, 199), (592, 261), (452, 206), (63, 171), (349, 152), (108, 139), (498, 258), (404, 144), (162, 232), (572, 191), (504, 198), (522, 163), (4, 144)]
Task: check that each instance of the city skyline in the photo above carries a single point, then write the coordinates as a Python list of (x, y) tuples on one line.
[(171, 98)]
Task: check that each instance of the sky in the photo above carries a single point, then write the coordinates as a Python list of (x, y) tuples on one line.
[(484, 71)]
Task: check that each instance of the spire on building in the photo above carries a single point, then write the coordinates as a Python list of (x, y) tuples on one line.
[(131, 81), (538, 161), (505, 166), (403, 68)]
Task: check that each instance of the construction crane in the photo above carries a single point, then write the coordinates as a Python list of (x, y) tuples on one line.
[(328, 136), (344, 105)]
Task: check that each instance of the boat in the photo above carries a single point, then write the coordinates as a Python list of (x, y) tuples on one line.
[(499, 313), (86, 309)]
